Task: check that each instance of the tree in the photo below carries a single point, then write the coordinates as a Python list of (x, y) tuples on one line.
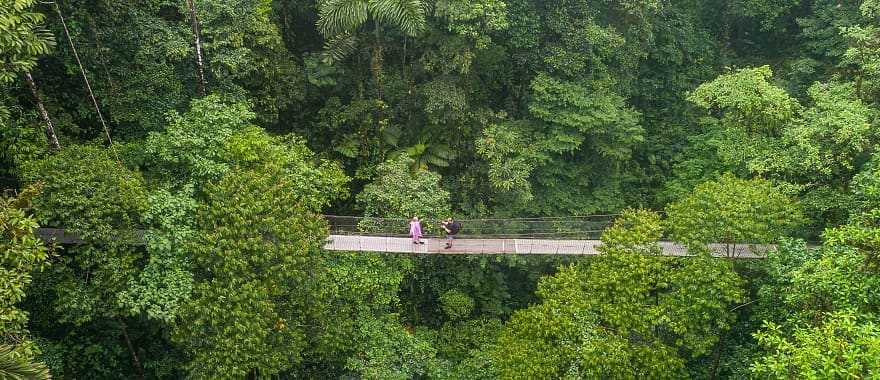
[(21, 140), (354, 300), (629, 313), (245, 315), (824, 144), (94, 197), (756, 128), (339, 21), (247, 58), (166, 281), (254, 294), (747, 101), (189, 147), (804, 286), (390, 352), (197, 43), (571, 119), (396, 192), (24, 40), (475, 20), (846, 345), (733, 211), (91, 195), (864, 51), (21, 253), (861, 232)]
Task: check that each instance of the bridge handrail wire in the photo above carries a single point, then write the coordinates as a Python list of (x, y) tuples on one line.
[(584, 226), (536, 218)]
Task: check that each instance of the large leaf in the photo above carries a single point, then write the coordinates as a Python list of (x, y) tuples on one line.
[(341, 16), (339, 46), (408, 15), (15, 367)]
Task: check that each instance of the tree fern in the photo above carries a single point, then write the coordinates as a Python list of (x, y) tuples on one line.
[(440, 155)]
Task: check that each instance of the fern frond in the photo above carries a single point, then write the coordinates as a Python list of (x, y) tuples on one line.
[(442, 151), (437, 161), (341, 16), (408, 15), (391, 135)]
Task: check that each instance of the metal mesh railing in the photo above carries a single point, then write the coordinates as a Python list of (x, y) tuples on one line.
[(578, 227)]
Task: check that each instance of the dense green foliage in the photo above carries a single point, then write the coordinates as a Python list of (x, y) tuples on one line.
[(199, 142), (628, 313), (22, 254), (731, 210)]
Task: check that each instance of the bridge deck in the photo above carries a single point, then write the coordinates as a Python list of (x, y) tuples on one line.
[(465, 246), (510, 246)]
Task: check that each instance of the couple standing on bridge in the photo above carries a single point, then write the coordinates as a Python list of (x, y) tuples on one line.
[(449, 225)]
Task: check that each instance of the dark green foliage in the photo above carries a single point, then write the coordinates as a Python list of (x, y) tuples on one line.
[(90, 194), (236, 124)]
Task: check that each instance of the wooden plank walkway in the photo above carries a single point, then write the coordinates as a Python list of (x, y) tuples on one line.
[(514, 247)]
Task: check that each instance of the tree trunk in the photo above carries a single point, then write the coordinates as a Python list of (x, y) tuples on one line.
[(717, 356), (50, 128), (377, 62), (859, 85), (200, 63), (134, 357)]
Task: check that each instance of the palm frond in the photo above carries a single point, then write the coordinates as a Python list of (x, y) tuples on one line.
[(408, 15), (20, 368), (341, 16), (338, 47)]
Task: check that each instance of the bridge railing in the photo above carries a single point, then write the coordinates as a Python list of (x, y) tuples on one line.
[(587, 227)]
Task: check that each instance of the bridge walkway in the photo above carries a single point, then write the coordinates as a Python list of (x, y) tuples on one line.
[(480, 246)]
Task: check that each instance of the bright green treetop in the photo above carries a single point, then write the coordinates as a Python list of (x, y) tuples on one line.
[(732, 210), (845, 346), (21, 253)]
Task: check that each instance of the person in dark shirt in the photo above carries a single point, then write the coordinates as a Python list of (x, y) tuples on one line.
[(451, 227)]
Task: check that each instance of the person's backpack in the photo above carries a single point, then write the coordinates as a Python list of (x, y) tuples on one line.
[(456, 227)]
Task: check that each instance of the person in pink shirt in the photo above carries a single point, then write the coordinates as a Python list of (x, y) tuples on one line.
[(415, 230)]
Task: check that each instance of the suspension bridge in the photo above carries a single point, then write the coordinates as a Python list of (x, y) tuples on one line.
[(577, 236), (573, 235)]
